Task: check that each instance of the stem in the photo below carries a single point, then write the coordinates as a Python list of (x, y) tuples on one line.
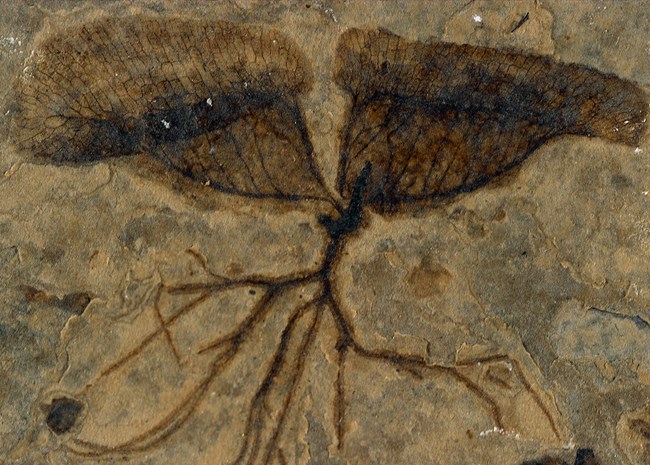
[(351, 217)]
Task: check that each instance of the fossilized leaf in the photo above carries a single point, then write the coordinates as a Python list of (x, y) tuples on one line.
[(214, 100), (438, 119)]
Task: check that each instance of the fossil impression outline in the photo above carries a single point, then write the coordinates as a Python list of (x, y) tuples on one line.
[(220, 104)]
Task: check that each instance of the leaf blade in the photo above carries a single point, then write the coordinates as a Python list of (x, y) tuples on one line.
[(123, 86), (438, 119)]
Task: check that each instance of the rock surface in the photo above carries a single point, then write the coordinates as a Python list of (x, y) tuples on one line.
[(150, 320)]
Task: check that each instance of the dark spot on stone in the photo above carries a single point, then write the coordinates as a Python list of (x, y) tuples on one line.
[(234, 268), (472, 223), (428, 279), (620, 181), (641, 427), (147, 229), (53, 254), (386, 245), (75, 302), (63, 414), (499, 216), (585, 457)]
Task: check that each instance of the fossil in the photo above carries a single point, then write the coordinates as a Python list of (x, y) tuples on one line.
[(202, 96), (437, 120), (220, 104)]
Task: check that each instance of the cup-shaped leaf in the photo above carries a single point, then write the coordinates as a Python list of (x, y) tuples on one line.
[(438, 119), (215, 100)]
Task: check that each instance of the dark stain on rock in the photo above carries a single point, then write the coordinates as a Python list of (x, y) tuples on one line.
[(472, 223), (142, 231), (586, 457), (641, 427), (74, 303), (429, 279), (583, 457), (63, 414), (620, 181)]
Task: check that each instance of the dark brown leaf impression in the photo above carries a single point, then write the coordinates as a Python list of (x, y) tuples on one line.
[(219, 103), (214, 100), (438, 119)]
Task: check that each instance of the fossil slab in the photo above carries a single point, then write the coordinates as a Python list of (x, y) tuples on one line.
[(288, 234)]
